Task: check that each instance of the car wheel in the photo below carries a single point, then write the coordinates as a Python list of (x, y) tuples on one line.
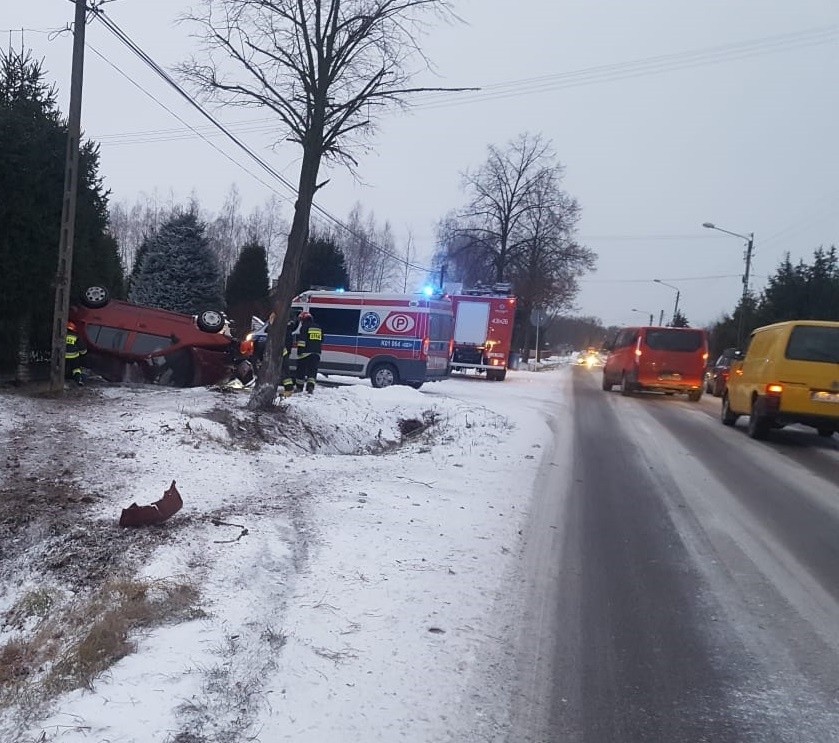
[(626, 389), (384, 375), (758, 424), (606, 384), (727, 415), (210, 321), (95, 297), (695, 395), (825, 433)]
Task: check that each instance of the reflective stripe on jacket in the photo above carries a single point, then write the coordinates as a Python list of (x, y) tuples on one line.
[(74, 346), (309, 341)]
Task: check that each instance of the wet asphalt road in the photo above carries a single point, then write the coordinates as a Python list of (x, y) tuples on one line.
[(691, 584)]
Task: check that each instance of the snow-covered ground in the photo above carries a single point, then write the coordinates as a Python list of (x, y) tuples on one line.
[(356, 584)]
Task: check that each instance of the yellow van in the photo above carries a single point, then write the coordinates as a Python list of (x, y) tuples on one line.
[(789, 374)]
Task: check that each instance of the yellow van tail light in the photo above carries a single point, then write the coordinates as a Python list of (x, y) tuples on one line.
[(774, 389)]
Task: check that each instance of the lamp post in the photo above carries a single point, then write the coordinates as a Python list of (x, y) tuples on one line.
[(641, 312), (678, 294), (750, 243)]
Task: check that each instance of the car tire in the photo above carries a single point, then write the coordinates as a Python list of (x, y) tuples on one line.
[(384, 375), (606, 384), (727, 415), (758, 424), (95, 297), (825, 433), (210, 321), (695, 395), (626, 389)]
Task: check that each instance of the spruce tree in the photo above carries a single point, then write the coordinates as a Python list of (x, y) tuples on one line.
[(323, 265), (247, 287), (33, 141), (177, 271)]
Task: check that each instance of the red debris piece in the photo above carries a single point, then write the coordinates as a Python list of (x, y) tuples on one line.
[(156, 513)]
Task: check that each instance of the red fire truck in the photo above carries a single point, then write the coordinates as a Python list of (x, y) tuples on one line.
[(483, 330)]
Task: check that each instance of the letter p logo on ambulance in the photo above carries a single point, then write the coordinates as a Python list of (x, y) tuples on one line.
[(370, 322), (399, 322)]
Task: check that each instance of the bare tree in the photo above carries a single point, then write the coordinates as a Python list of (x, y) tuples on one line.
[(518, 227), (409, 255), (129, 225), (499, 201), (226, 232), (546, 269), (266, 225), (325, 68)]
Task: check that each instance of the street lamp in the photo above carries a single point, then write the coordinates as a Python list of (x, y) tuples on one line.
[(641, 312), (678, 294), (750, 243)]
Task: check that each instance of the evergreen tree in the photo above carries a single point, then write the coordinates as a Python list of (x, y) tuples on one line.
[(33, 141), (785, 295), (247, 287), (177, 271), (679, 320), (802, 291), (323, 265)]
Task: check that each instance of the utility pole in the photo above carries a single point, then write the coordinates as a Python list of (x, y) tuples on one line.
[(661, 318), (740, 324), (64, 271)]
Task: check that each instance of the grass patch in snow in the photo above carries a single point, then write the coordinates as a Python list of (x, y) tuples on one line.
[(72, 644)]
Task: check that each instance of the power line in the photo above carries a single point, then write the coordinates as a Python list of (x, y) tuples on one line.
[(642, 67), (585, 76), (146, 59), (617, 238), (186, 124), (650, 281)]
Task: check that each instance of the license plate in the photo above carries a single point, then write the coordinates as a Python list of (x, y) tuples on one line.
[(669, 377), (824, 396)]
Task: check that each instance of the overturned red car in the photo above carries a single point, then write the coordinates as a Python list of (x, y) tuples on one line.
[(131, 342)]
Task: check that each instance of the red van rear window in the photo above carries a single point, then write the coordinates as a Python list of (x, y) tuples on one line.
[(672, 339)]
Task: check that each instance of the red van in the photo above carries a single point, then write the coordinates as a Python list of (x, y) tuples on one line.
[(657, 359)]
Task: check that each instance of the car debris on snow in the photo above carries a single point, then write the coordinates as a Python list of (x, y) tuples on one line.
[(156, 513)]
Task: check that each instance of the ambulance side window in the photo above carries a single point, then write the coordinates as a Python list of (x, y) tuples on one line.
[(336, 321)]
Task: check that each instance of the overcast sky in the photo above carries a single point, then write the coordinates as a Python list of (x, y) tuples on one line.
[(742, 135)]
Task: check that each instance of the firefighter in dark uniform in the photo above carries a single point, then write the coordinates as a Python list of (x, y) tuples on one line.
[(74, 349), (309, 342), (288, 344)]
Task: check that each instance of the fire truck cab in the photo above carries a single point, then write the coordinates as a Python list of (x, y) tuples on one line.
[(483, 330)]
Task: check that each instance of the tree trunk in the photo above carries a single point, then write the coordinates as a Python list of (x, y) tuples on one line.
[(265, 391), (22, 372)]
